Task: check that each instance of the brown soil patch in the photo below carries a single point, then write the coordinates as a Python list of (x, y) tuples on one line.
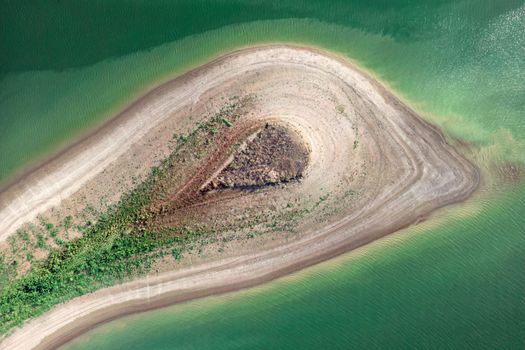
[(274, 155)]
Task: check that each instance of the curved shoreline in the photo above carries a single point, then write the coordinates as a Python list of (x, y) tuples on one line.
[(33, 176), (66, 321)]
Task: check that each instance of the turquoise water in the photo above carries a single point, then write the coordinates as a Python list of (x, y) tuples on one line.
[(455, 281)]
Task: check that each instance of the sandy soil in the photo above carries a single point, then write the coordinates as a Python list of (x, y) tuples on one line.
[(362, 140)]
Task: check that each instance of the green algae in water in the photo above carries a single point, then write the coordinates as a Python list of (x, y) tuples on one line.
[(462, 64)]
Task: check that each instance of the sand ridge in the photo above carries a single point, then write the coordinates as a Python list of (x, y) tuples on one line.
[(357, 132)]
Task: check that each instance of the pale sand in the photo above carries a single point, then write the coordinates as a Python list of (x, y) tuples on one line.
[(415, 172)]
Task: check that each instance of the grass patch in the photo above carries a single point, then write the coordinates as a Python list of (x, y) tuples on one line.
[(115, 248)]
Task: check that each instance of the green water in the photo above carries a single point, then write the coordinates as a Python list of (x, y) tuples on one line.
[(457, 281), (455, 287)]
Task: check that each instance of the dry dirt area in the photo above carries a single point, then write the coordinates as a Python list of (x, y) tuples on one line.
[(272, 156), (323, 160)]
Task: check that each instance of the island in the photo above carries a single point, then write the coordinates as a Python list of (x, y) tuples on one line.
[(259, 163)]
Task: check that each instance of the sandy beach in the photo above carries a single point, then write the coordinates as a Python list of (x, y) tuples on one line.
[(360, 136)]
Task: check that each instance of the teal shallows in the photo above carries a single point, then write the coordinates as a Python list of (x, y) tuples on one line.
[(436, 55)]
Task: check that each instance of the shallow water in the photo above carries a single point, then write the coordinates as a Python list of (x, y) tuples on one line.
[(455, 281), (450, 283)]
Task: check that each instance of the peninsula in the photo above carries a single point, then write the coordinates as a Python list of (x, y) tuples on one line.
[(257, 164)]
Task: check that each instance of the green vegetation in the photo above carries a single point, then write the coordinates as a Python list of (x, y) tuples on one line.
[(4, 270), (117, 247), (226, 122)]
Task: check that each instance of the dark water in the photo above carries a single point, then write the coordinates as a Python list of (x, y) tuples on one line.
[(456, 281)]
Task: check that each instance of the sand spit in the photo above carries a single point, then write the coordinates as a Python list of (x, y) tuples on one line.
[(359, 136)]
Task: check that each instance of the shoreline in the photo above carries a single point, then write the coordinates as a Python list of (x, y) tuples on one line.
[(60, 324), (100, 317), (33, 174)]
